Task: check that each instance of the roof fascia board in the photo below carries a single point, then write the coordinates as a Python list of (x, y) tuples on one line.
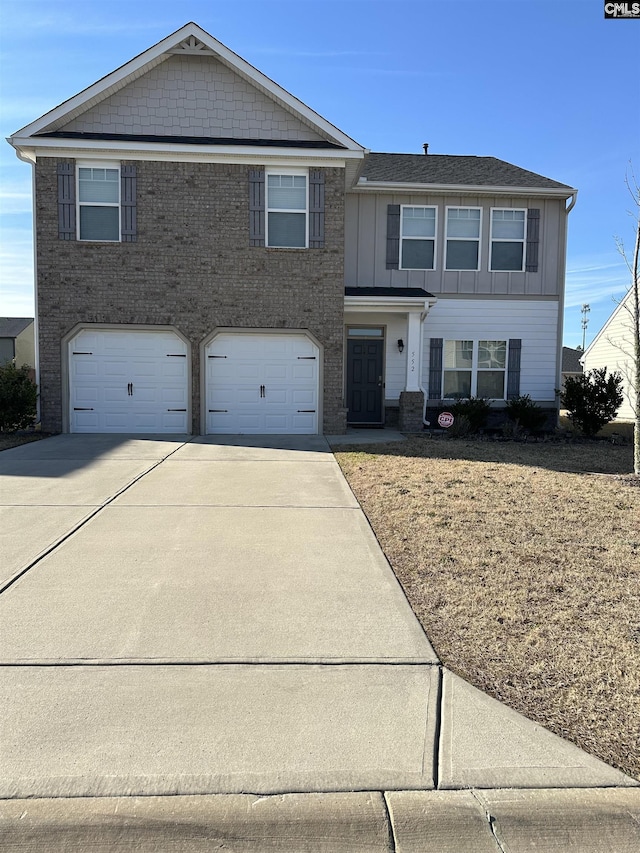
[(186, 153), (154, 53), (444, 189)]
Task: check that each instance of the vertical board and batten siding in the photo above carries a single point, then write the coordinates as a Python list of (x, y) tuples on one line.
[(534, 323), (366, 247), (605, 352)]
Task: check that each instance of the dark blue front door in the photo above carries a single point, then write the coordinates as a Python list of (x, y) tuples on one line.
[(364, 381)]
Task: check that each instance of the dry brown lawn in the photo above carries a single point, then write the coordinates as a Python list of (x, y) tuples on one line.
[(14, 439), (522, 562)]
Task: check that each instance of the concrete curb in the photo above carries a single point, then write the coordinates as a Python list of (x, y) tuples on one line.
[(490, 821)]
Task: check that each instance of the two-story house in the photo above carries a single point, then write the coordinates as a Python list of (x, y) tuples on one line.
[(212, 256)]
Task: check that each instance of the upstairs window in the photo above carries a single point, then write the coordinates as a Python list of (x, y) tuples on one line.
[(474, 369), (418, 237), (463, 238), (287, 211), (99, 203), (507, 240)]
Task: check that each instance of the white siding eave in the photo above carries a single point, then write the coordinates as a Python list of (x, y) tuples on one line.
[(442, 189), (126, 150)]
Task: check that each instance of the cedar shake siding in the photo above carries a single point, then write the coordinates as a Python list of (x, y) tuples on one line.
[(190, 265)]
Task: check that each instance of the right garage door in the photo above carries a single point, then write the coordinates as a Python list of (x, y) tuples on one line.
[(262, 384)]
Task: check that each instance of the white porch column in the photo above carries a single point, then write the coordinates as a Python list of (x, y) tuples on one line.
[(413, 348)]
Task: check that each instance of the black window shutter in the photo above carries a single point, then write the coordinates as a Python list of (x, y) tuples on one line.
[(513, 368), (435, 369), (66, 201), (128, 192), (533, 239), (256, 207), (393, 236), (316, 209)]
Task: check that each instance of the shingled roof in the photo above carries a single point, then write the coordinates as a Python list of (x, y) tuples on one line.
[(452, 169), (11, 327)]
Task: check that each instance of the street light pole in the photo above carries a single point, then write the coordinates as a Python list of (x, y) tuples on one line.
[(585, 321)]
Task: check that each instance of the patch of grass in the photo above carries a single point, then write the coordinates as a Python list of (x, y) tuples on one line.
[(15, 439), (524, 570)]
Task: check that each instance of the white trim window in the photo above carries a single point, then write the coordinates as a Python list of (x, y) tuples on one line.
[(463, 238), (474, 369), (417, 238), (99, 202), (508, 229), (287, 225)]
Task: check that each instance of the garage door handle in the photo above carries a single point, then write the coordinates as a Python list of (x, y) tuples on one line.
[(130, 389), (262, 391)]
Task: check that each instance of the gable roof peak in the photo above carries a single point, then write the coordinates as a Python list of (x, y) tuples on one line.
[(188, 40)]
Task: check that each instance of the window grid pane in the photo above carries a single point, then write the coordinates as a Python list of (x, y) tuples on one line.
[(417, 254), (463, 222), (287, 230), (457, 383), (418, 222), (491, 384), (99, 223), (98, 185), (458, 354), (492, 354), (462, 255), (507, 256)]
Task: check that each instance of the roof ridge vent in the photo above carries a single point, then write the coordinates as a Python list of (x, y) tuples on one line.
[(192, 46)]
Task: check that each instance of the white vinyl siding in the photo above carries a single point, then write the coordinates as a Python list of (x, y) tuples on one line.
[(612, 349), (462, 242), (99, 203), (534, 322), (287, 207), (507, 246), (417, 238)]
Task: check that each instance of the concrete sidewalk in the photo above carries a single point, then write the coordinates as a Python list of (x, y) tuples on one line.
[(208, 618)]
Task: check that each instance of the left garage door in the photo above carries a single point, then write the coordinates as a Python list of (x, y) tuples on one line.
[(128, 381)]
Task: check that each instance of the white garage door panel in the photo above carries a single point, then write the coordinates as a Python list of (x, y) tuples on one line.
[(128, 381), (286, 367)]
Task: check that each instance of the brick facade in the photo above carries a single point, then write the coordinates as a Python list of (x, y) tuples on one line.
[(192, 268)]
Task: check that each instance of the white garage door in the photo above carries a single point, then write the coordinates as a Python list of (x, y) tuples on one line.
[(262, 384), (128, 381)]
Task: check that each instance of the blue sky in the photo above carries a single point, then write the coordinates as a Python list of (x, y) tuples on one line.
[(546, 84)]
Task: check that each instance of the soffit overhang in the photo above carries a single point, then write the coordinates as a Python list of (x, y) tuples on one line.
[(364, 186)]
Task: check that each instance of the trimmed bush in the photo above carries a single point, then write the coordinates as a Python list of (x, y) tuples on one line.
[(593, 399), (475, 410), (18, 395), (525, 414)]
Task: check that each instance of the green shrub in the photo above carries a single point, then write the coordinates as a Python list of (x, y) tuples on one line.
[(18, 395), (525, 413), (475, 410), (593, 399)]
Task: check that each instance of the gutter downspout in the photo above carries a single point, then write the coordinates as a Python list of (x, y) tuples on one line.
[(423, 316), (561, 301)]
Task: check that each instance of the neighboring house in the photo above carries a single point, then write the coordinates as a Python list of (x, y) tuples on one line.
[(612, 348), (17, 341), (571, 366), (215, 257)]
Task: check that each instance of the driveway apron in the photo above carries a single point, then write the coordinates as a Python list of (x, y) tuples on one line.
[(200, 617)]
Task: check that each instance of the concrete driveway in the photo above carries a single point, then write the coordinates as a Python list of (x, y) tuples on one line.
[(215, 617)]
